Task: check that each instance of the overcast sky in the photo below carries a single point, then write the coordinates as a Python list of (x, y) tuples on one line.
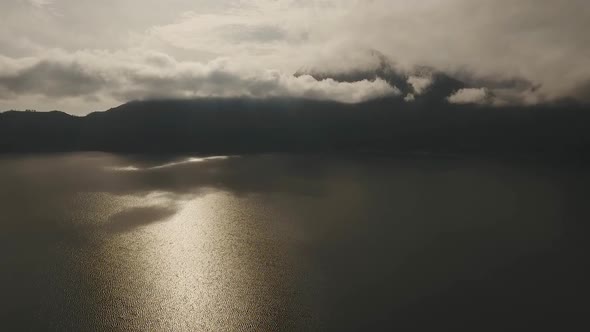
[(81, 55)]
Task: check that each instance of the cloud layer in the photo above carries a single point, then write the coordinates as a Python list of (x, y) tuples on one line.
[(469, 96), (129, 76), (82, 54)]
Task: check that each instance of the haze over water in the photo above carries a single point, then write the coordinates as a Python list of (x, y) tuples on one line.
[(105, 242)]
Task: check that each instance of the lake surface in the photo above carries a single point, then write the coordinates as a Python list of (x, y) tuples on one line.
[(105, 242)]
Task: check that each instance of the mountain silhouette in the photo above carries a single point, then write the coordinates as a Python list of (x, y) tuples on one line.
[(243, 125)]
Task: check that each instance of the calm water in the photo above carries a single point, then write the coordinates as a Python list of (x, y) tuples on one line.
[(272, 243)]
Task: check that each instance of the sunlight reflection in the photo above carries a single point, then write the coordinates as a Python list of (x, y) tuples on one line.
[(186, 263), (172, 164)]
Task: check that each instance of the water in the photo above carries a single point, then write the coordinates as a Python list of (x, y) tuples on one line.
[(103, 242)]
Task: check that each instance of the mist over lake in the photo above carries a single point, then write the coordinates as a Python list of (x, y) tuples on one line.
[(93, 241)]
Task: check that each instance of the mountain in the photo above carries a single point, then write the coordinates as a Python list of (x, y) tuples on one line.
[(38, 131), (243, 125), (434, 86)]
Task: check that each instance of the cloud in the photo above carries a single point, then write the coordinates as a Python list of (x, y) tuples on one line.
[(240, 33), (410, 97), (134, 75), (492, 41), (41, 3), (469, 96), (52, 78), (582, 92), (420, 84)]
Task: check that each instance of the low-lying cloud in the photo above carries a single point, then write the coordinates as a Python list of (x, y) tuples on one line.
[(126, 76), (469, 96), (419, 84)]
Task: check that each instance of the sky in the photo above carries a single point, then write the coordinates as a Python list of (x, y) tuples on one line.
[(81, 56)]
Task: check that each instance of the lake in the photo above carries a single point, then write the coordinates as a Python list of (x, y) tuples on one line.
[(95, 241)]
